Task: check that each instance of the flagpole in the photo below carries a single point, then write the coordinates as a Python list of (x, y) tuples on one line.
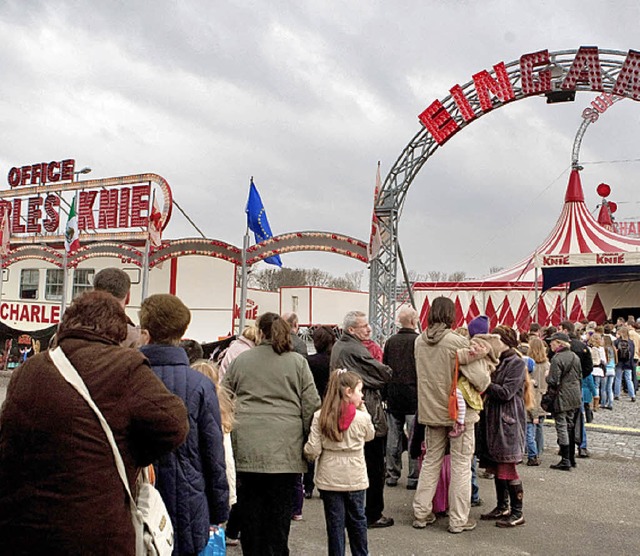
[(243, 283), (64, 283), (145, 258), (145, 271)]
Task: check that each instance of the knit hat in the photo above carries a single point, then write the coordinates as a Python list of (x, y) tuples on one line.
[(479, 325)]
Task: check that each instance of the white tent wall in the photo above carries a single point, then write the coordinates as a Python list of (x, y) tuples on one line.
[(615, 295)]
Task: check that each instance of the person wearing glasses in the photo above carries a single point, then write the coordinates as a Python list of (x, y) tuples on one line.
[(350, 353)]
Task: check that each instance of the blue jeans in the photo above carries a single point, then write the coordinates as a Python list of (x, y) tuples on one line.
[(345, 509), (627, 379), (396, 423), (532, 447), (583, 422), (540, 435), (607, 392), (475, 490), (598, 382)]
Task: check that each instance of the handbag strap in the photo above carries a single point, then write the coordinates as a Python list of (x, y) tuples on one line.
[(69, 373)]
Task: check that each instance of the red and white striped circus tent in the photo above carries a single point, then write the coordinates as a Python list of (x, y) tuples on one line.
[(509, 296)]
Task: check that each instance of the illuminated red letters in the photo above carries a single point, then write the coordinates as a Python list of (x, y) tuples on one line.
[(85, 210), (486, 84), (34, 214), (439, 122), (139, 203), (629, 76), (584, 69), (41, 173), (51, 203)]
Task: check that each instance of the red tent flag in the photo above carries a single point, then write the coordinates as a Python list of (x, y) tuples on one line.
[(597, 312), (375, 240)]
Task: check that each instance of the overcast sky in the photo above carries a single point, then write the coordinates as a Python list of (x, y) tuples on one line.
[(307, 96)]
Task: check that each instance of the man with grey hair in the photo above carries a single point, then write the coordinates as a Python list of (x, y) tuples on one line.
[(402, 398), (350, 353), (298, 343), (118, 284)]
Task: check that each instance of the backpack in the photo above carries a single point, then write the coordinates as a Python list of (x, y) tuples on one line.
[(623, 350)]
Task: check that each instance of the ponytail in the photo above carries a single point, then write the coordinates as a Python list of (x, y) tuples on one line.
[(275, 330)]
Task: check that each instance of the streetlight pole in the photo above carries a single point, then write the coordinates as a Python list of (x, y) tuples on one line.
[(65, 271)]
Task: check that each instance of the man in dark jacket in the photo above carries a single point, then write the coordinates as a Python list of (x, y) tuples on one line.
[(565, 376), (192, 479), (586, 367), (401, 395), (350, 353)]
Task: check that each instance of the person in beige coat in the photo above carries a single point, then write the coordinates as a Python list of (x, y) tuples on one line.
[(435, 352), (338, 433)]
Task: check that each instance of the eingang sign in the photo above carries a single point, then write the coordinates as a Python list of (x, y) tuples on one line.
[(534, 78)]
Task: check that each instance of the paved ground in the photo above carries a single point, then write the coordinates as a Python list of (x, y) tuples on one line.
[(592, 510)]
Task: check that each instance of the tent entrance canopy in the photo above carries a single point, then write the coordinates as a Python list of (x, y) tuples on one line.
[(583, 269)]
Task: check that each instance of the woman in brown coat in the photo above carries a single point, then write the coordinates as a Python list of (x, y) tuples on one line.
[(60, 492)]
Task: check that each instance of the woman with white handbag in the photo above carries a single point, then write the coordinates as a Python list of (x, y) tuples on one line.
[(60, 490)]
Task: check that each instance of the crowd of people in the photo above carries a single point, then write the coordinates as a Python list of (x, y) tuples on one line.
[(241, 441)]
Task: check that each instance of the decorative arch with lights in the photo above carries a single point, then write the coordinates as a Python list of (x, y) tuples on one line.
[(556, 75)]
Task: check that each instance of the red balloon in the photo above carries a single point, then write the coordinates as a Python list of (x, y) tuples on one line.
[(603, 190), (612, 207)]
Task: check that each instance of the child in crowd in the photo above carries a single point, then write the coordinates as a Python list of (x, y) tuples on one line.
[(338, 433), (609, 373), (485, 350), (599, 358), (535, 414), (227, 410)]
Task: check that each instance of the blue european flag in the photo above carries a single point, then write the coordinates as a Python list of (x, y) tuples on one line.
[(258, 223)]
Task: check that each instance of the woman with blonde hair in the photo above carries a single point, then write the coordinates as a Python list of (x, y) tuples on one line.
[(245, 341), (609, 371), (536, 415)]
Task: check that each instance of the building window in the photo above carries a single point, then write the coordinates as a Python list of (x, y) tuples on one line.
[(29, 278), (294, 303), (82, 281), (53, 285)]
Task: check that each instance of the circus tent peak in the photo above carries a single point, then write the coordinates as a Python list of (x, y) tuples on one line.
[(576, 231)]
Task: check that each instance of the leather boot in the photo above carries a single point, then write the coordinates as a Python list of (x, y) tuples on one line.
[(516, 494), (596, 403), (502, 496), (565, 463), (572, 454)]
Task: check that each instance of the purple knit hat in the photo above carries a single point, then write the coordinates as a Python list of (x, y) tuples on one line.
[(479, 325)]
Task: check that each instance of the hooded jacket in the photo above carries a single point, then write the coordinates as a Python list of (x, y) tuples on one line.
[(192, 479), (435, 352), (351, 354)]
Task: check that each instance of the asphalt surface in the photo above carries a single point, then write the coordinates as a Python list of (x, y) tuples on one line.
[(592, 510)]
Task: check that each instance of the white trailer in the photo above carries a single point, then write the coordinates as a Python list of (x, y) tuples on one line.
[(317, 306)]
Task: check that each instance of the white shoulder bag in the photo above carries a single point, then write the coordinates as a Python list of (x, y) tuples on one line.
[(151, 521)]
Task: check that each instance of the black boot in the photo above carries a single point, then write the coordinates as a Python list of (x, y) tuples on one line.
[(572, 454), (565, 463), (502, 496), (516, 493)]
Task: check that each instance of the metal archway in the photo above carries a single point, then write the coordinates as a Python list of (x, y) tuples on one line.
[(557, 75)]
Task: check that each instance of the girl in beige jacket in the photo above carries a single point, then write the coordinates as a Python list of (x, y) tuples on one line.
[(338, 433)]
